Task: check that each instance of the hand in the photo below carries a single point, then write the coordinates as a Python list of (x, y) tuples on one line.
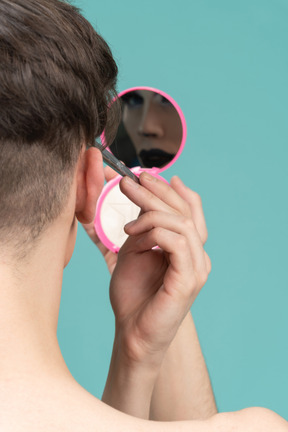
[(152, 290)]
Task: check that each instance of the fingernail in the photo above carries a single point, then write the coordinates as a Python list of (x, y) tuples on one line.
[(130, 224), (147, 176), (131, 183)]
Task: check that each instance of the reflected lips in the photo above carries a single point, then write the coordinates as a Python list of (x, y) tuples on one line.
[(155, 158)]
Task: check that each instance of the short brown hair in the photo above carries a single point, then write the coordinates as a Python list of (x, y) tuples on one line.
[(57, 79)]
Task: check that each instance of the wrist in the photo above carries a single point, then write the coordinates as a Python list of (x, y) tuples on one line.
[(136, 351), (130, 382)]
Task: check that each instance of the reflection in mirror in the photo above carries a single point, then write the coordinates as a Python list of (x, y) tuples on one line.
[(150, 132)]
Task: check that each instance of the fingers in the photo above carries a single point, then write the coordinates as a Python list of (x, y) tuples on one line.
[(109, 173), (153, 194), (176, 209), (208, 262), (142, 197), (195, 203), (170, 242), (165, 193), (179, 225), (187, 271), (147, 221), (178, 197)]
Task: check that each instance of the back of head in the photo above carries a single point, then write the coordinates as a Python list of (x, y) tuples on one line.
[(57, 78)]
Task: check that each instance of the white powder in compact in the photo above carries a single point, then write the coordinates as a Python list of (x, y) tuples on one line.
[(116, 211)]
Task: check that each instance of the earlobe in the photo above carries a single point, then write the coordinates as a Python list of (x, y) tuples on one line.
[(90, 181)]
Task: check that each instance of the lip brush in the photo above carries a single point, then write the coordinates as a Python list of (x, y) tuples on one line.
[(114, 163)]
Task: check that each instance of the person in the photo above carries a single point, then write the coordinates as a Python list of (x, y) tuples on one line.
[(153, 125), (150, 132), (57, 78)]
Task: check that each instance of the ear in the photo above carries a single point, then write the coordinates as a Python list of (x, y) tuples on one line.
[(90, 181)]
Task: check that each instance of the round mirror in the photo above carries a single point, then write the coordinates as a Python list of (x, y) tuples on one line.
[(151, 131)]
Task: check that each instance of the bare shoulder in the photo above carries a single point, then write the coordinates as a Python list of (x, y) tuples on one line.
[(68, 407), (249, 420), (58, 405), (63, 405)]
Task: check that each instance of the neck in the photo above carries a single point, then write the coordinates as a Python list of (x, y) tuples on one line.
[(29, 306)]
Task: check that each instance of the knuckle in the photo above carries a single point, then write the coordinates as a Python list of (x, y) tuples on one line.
[(193, 287), (205, 235), (181, 242), (195, 201), (208, 263), (188, 224), (158, 232), (192, 196), (149, 195), (186, 210), (203, 278), (196, 198), (149, 217)]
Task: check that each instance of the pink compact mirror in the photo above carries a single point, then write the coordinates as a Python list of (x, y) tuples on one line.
[(150, 137)]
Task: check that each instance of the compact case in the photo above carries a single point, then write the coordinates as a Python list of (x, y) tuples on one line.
[(150, 137)]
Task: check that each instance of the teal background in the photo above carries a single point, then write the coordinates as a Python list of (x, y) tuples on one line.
[(225, 62)]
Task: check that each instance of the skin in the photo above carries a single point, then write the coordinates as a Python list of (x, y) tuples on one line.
[(37, 391), (191, 385), (152, 122)]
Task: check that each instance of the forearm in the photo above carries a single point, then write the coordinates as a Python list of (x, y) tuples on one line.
[(183, 390), (129, 385)]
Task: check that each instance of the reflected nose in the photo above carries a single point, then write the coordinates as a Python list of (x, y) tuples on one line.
[(150, 125)]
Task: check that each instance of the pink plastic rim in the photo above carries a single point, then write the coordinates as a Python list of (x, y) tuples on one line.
[(179, 111), (97, 221)]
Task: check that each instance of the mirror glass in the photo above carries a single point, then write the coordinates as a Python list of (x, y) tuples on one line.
[(150, 132)]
